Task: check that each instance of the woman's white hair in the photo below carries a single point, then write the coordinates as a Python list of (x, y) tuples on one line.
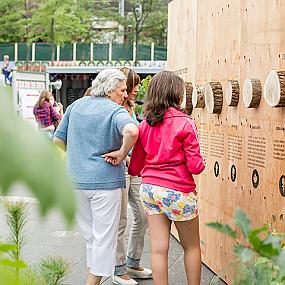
[(106, 81)]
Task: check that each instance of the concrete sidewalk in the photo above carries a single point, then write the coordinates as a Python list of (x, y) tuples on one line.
[(51, 237)]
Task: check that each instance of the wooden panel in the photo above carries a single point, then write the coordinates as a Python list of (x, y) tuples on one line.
[(182, 21), (244, 147)]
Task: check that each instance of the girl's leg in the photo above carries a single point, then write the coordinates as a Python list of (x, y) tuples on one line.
[(159, 229), (190, 240)]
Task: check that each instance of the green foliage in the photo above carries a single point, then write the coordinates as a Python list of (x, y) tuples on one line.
[(143, 88), (12, 21), (261, 259), (67, 21), (50, 271), (59, 21), (242, 222), (16, 218), (53, 21), (226, 229), (147, 24), (53, 270), (141, 95), (28, 157)]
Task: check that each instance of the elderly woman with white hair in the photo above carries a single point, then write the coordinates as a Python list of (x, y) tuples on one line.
[(92, 126)]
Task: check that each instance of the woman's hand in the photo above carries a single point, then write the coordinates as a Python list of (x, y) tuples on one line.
[(114, 157)]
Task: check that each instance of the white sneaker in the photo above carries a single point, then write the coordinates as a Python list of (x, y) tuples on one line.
[(145, 274), (120, 281)]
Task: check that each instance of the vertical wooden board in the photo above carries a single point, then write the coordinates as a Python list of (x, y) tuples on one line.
[(218, 40), (236, 40), (182, 53)]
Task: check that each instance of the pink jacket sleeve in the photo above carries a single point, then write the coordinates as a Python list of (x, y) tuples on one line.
[(195, 162), (137, 159)]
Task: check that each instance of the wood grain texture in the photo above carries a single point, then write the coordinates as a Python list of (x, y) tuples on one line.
[(214, 97), (198, 96), (241, 143), (252, 91), (274, 88), (232, 93)]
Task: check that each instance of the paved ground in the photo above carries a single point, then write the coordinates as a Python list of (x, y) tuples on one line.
[(50, 237)]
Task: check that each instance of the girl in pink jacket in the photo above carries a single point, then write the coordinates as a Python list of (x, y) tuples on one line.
[(166, 155)]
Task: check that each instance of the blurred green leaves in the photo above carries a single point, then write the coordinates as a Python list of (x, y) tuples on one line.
[(225, 229), (27, 157), (261, 257)]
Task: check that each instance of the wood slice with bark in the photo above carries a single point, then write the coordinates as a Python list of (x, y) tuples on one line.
[(198, 96), (189, 90), (214, 97), (274, 88), (232, 93), (252, 91)]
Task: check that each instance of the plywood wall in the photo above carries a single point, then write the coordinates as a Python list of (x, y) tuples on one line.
[(233, 40)]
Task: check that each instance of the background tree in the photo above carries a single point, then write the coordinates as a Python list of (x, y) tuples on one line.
[(59, 22), (12, 21), (144, 20)]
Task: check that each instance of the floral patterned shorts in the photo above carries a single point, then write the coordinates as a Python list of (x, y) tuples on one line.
[(177, 206)]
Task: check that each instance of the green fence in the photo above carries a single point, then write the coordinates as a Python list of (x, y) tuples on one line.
[(122, 52), (8, 49), (66, 52), (160, 53), (101, 52), (44, 51), (24, 52)]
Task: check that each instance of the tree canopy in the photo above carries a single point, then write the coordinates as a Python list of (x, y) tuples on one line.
[(67, 21)]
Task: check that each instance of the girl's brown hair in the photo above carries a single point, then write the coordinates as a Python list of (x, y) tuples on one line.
[(44, 97), (165, 90), (133, 78)]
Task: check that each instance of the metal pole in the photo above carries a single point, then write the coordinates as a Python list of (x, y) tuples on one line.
[(33, 52), (110, 51), (91, 52), (74, 51), (122, 7), (16, 52), (57, 53), (134, 52), (152, 52)]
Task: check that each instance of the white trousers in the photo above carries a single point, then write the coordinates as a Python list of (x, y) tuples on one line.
[(98, 214)]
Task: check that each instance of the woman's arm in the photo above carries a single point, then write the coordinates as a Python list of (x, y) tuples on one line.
[(130, 135), (59, 143)]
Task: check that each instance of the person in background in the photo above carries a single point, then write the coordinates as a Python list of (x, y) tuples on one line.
[(58, 108), (128, 265), (45, 114), (7, 69), (167, 155), (88, 92), (92, 126)]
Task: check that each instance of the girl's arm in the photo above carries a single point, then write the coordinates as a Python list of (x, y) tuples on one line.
[(194, 160), (137, 159)]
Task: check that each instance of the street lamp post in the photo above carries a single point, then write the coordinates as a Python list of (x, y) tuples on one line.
[(138, 16)]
